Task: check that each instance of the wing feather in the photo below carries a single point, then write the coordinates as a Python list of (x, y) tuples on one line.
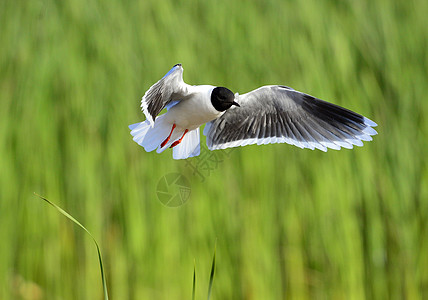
[(169, 89)]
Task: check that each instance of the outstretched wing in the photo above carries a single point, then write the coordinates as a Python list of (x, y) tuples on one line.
[(170, 88), (279, 114)]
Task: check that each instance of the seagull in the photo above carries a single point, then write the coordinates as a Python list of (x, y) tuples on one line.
[(267, 115)]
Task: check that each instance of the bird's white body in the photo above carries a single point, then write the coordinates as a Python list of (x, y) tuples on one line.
[(193, 111), (182, 120)]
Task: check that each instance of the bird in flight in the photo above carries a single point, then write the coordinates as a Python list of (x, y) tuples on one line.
[(270, 114)]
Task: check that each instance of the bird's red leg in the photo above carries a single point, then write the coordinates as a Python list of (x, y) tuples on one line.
[(169, 136), (179, 141)]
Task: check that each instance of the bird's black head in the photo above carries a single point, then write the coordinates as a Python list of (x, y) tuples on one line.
[(222, 98)]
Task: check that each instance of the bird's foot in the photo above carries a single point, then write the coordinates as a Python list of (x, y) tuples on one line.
[(169, 136), (179, 141)]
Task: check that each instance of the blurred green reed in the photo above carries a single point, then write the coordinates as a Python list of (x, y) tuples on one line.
[(289, 223)]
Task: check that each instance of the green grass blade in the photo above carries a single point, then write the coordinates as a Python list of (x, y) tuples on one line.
[(194, 280), (212, 273), (70, 217)]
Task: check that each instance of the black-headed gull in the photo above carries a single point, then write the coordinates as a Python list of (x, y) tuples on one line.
[(269, 114)]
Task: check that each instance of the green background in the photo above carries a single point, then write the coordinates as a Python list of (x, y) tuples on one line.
[(289, 223)]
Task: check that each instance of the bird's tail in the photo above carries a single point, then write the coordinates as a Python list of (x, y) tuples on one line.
[(151, 138), (189, 146)]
